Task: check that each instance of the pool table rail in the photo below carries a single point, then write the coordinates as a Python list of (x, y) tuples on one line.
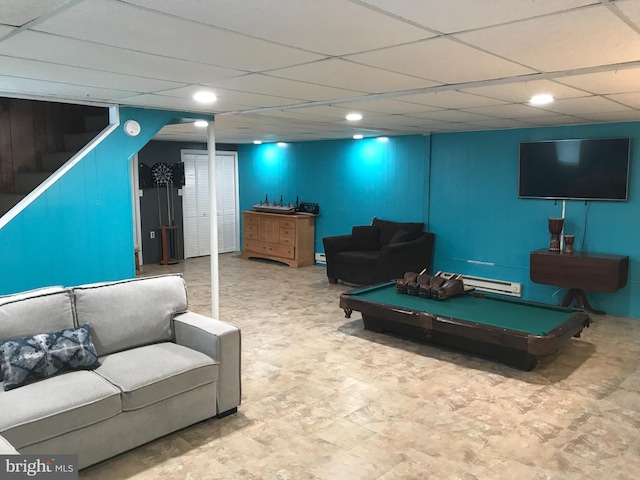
[(380, 316)]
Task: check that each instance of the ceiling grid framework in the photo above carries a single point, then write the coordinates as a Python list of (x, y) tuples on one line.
[(290, 70)]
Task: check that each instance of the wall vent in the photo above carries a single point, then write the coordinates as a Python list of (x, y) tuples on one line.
[(491, 285)]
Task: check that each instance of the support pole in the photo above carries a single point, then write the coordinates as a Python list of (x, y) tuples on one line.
[(213, 222)]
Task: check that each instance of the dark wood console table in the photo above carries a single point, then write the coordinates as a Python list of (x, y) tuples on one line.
[(579, 272)]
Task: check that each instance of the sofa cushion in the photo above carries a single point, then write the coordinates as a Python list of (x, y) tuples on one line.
[(389, 228), (400, 236), (150, 374), (130, 313), (365, 237), (37, 311), (29, 359), (29, 293), (57, 405), (358, 257)]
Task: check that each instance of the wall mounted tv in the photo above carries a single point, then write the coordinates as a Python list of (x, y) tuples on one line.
[(585, 169)]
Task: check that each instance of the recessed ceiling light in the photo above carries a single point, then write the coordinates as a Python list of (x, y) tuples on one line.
[(205, 97), (358, 137), (541, 99), (201, 123), (383, 139), (257, 142), (354, 117), (281, 144)]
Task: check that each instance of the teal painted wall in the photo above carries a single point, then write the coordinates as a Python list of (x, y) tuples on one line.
[(352, 180), (477, 216), (464, 187), (80, 230)]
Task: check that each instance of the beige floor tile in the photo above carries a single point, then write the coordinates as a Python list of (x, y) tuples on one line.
[(325, 399)]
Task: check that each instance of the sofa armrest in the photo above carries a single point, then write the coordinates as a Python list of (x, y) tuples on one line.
[(339, 243), (6, 448), (220, 341), (397, 259)]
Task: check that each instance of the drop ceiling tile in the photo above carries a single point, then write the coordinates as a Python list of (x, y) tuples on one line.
[(575, 39), (626, 116), (451, 99), (390, 121), (579, 106), (80, 76), (513, 110), (299, 114), (441, 60), (67, 51), (329, 27), (19, 12), (282, 87), (348, 75), (249, 100), (629, 8), (452, 127), (265, 122), (44, 88), (522, 91), (553, 119), (5, 30), (177, 103), (631, 99), (336, 113), (500, 123), (125, 26), (387, 106), (451, 116), (603, 83), (460, 15)]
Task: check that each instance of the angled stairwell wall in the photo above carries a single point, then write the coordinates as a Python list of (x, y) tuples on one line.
[(36, 138), (77, 227)]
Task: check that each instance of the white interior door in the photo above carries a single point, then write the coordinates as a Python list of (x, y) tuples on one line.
[(227, 201), (195, 203)]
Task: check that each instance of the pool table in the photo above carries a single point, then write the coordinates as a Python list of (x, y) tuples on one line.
[(513, 331)]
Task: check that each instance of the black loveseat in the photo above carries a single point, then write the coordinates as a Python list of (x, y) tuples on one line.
[(379, 252)]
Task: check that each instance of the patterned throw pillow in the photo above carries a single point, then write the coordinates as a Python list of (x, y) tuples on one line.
[(26, 360)]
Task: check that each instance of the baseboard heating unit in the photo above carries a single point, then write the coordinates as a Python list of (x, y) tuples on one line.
[(491, 285)]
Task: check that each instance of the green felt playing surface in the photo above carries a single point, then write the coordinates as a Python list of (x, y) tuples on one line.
[(532, 318)]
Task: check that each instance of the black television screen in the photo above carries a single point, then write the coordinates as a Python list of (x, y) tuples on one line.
[(587, 169)]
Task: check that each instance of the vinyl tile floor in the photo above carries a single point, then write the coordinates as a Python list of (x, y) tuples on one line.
[(325, 399)]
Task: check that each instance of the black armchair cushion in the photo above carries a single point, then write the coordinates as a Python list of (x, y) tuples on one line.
[(365, 238), (359, 258), (388, 229), (400, 236)]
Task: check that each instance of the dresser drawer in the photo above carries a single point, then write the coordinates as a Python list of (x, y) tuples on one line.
[(249, 219), (250, 231), (270, 249), (288, 225), (287, 236)]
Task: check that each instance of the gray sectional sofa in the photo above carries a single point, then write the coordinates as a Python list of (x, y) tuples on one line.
[(160, 368)]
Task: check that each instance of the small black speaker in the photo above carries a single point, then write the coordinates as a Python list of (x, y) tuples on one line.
[(178, 174), (145, 179)]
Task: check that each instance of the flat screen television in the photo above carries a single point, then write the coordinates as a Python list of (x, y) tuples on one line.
[(585, 169)]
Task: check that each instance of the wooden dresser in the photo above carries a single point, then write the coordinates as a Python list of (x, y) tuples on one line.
[(285, 238)]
